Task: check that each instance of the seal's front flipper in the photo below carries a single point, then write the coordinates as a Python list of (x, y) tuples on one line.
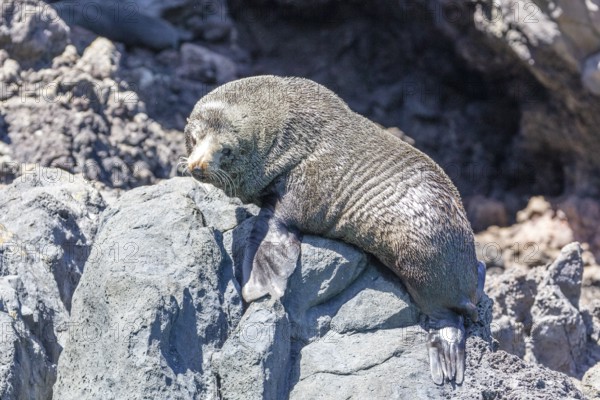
[(446, 348), (270, 257)]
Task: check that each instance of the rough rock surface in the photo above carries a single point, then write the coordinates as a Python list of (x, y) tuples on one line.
[(481, 115), (506, 104), (165, 319), (152, 313), (78, 116), (31, 31), (537, 315), (591, 382), (48, 223), (541, 231), (551, 45)]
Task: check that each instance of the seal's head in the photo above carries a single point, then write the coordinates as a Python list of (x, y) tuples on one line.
[(213, 149), (246, 134), (225, 145), (232, 132)]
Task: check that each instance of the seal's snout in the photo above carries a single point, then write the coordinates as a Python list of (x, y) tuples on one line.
[(198, 168), (204, 157)]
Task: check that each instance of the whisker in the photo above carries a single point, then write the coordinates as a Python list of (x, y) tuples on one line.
[(222, 179), (182, 167), (230, 181)]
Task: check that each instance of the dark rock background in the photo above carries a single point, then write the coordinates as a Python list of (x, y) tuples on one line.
[(503, 94)]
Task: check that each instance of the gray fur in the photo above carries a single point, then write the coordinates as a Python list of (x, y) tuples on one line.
[(121, 22), (329, 171)]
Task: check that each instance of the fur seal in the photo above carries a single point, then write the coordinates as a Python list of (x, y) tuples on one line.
[(122, 22), (314, 166)]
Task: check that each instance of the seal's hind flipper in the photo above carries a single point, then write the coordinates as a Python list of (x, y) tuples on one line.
[(270, 257), (480, 279), (446, 347)]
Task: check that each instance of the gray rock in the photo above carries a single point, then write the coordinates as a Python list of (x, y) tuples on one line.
[(48, 221), (393, 363), (31, 31), (326, 268), (219, 211), (567, 272), (148, 316), (558, 334), (49, 218), (171, 302), (208, 19), (10, 71), (202, 64), (153, 8), (25, 370), (80, 117), (510, 334), (375, 308), (386, 364), (254, 361), (549, 50), (497, 374), (100, 59), (591, 382), (536, 314)]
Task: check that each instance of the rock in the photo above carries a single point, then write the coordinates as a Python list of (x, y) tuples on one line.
[(510, 334), (100, 59), (537, 316), (393, 363), (200, 63), (484, 212), (537, 206), (254, 361), (496, 374), (592, 319), (170, 296), (79, 116), (536, 239), (549, 49), (51, 216), (49, 222), (558, 333), (381, 306), (591, 382), (10, 71), (366, 365), (153, 8), (326, 269), (25, 371), (581, 212), (107, 111), (31, 32), (567, 272), (148, 316)]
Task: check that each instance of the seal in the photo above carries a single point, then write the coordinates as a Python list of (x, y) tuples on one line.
[(121, 22), (314, 166)]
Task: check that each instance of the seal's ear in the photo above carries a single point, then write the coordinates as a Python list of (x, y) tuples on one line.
[(270, 257)]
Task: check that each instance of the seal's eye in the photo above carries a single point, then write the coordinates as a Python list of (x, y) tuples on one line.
[(226, 152)]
